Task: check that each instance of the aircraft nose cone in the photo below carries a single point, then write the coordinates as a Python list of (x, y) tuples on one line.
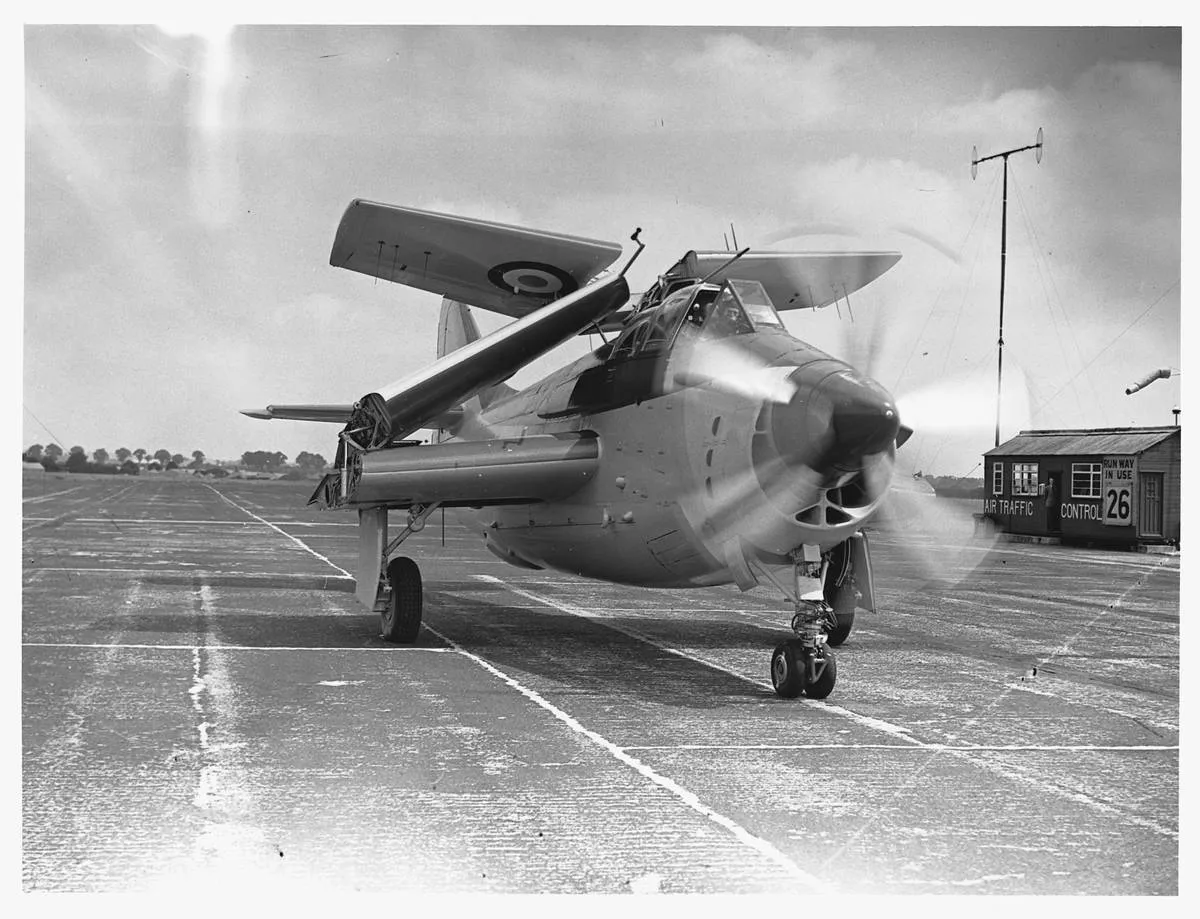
[(864, 416), (836, 418)]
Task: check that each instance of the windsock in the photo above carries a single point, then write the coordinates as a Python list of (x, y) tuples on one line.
[(1162, 374)]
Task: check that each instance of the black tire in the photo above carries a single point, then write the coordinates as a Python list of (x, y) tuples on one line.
[(787, 670), (822, 686), (843, 601), (845, 622), (400, 622)]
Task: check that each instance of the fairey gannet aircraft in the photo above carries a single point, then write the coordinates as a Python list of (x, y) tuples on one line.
[(701, 445)]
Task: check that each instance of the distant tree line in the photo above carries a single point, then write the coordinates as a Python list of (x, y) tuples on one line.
[(124, 461)]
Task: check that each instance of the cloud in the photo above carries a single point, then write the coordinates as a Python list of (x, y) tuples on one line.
[(744, 84)]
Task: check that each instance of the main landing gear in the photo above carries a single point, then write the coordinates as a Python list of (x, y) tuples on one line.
[(400, 617), (805, 664), (400, 596)]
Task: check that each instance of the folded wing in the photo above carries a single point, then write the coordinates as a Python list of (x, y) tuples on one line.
[(494, 266), (334, 413), (793, 280)]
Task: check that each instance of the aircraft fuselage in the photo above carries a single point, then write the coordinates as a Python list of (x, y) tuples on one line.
[(672, 458)]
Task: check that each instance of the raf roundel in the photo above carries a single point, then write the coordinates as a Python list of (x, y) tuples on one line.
[(532, 278)]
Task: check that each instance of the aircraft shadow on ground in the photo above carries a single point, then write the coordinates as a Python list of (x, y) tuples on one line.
[(572, 651), (599, 655)]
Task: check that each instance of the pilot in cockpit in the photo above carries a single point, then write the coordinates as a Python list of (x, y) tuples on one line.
[(701, 308), (728, 319)]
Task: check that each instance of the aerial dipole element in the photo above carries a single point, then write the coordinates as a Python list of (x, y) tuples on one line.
[(976, 159)]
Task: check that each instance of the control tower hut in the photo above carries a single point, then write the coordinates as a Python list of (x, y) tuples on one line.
[(1110, 486)]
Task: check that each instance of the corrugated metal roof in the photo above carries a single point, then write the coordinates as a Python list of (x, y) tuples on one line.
[(1126, 441)]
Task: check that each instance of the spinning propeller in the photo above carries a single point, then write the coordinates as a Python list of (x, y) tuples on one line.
[(824, 451)]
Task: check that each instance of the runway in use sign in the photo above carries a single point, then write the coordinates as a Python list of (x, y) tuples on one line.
[(1119, 475)]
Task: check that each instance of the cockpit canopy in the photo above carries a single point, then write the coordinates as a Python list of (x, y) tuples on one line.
[(707, 311)]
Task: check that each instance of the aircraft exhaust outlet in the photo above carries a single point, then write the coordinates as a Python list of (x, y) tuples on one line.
[(537, 468)]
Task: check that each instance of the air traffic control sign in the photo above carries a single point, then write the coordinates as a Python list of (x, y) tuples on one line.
[(1119, 476)]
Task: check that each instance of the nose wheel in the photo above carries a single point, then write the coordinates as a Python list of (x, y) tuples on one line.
[(797, 669)]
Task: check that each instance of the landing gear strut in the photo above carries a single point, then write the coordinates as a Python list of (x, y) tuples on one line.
[(400, 597), (805, 664)]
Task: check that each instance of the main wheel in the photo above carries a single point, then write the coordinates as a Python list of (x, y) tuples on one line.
[(787, 669), (845, 622), (843, 601), (822, 686), (401, 620)]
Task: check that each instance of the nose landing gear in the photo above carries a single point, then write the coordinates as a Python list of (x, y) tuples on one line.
[(805, 664)]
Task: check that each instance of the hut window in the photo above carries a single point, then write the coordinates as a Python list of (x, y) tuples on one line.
[(997, 478), (1025, 478), (1085, 480)]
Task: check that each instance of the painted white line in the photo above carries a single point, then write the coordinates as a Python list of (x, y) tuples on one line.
[(193, 572), (865, 720), (166, 521), (151, 647), (632, 633), (758, 844), (1003, 771), (224, 792), (895, 730), (53, 494), (248, 579), (298, 542), (923, 748)]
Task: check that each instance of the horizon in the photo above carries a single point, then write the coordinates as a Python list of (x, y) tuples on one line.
[(183, 189)]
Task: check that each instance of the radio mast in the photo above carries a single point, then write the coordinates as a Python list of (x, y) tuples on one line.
[(975, 161)]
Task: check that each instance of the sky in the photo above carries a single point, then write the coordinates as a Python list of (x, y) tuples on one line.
[(182, 187)]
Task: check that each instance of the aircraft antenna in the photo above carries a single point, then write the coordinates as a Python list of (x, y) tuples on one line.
[(975, 161), (725, 264), (733, 233), (633, 258), (726, 235)]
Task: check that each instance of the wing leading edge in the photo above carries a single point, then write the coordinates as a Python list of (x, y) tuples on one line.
[(337, 414), (409, 403)]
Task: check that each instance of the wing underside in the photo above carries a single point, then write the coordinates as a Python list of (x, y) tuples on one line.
[(494, 266), (793, 280), (556, 286)]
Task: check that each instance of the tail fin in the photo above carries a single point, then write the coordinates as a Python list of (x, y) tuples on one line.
[(456, 328)]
